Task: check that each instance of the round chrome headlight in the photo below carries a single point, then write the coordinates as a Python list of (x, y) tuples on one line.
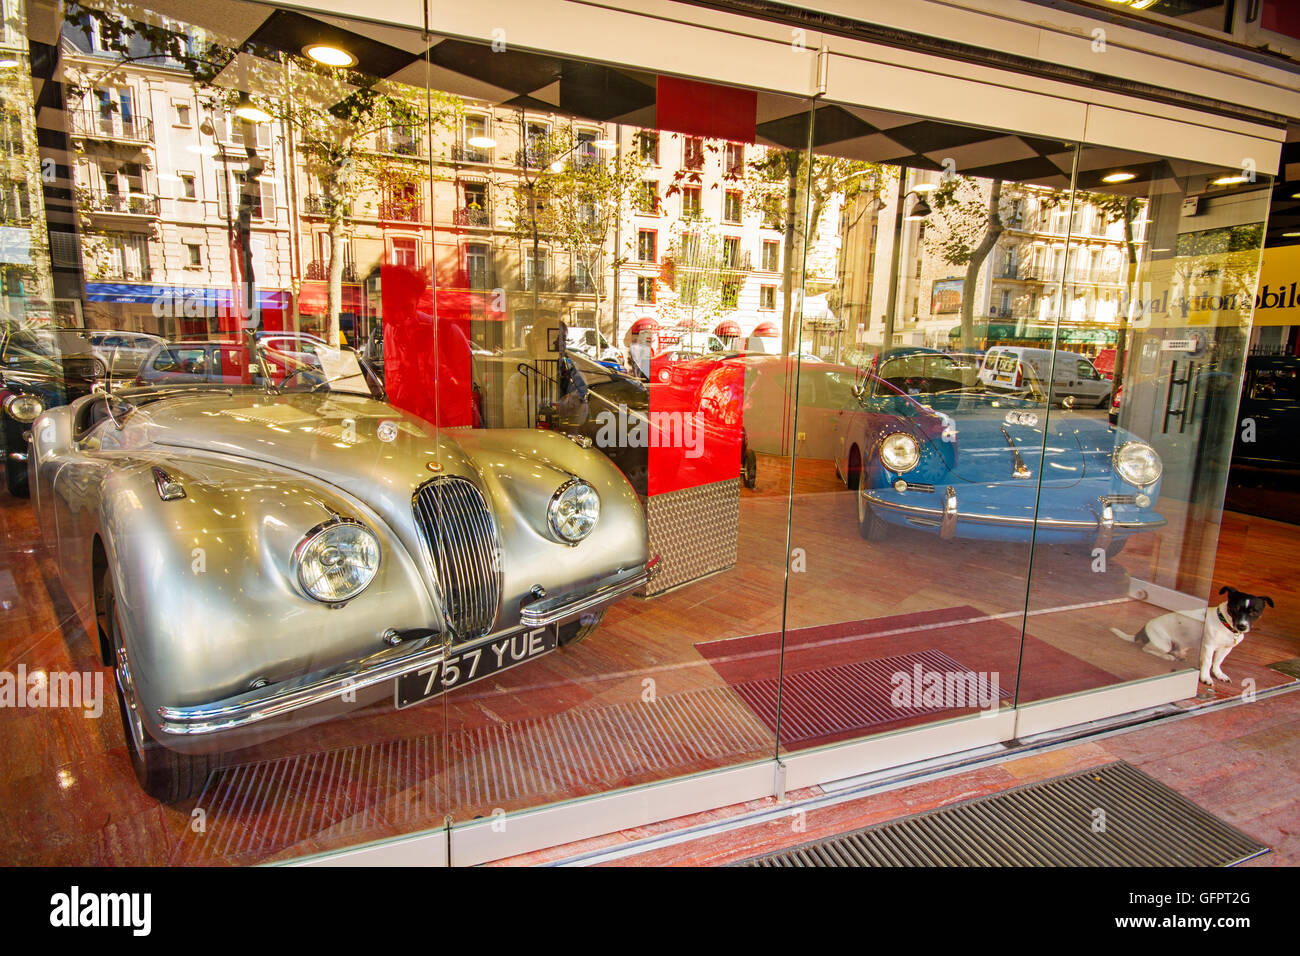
[(574, 511), (1138, 464), (900, 452), (336, 561), (23, 408)]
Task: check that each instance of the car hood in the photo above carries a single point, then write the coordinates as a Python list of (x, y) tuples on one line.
[(988, 426), (334, 438)]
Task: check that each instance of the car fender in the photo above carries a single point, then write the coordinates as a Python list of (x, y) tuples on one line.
[(208, 601)]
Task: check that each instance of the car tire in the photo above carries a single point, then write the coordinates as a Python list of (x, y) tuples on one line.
[(749, 470), (16, 478), (870, 526), (577, 631), (98, 368), (164, 774)]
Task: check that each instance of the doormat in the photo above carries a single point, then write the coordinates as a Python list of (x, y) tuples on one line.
[(1112, 815), (819, 703), (833, 673)]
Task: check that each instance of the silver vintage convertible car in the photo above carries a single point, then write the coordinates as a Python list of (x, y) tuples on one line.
[(278, 546)]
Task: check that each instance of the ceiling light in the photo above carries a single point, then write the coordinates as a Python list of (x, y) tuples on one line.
[(246, 109), (7, 62), (481, 142), (327, 55), (1291, 235), (604, 144), (925, 187), (557, 167), (1230, 180), (1118, 177)]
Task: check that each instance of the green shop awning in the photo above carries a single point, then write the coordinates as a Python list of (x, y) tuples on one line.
[(1007, 331)]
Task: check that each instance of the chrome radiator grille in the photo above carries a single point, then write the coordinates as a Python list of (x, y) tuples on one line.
[(456, 526)]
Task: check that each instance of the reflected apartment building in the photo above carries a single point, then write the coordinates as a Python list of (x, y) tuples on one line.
[(159, 171), (1051, 260), (25, 289)]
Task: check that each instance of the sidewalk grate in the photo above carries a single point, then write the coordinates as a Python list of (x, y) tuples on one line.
[(1112, 815)]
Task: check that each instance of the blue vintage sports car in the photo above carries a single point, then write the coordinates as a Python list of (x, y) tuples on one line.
[(929, 446)]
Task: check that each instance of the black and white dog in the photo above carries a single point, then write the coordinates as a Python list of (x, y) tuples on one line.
[(1218, 630)]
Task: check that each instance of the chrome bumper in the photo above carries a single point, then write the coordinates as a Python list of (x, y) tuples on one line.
[(549, 610), (948, 517), (413, 651), (276, 700)]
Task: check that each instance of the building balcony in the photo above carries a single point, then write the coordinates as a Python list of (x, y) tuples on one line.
[(402, 211), (112, 126), (123, 204), (470, 154), (399, 144), (532, 158), (319, 269), (472, 217), (316, 205)]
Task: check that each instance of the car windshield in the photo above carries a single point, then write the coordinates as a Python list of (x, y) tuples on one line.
[(933, 373), (301, 364), (30, 348), (593, 372)]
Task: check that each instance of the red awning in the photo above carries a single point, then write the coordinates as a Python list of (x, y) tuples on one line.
[(766, 330), (645, 324), (727, 328), (313, 298)]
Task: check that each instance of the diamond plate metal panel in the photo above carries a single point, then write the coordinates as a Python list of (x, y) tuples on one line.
[(694, 531)]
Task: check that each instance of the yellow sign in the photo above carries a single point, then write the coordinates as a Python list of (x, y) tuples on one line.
[(1277, 300)]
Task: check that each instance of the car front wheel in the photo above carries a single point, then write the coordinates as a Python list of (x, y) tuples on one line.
[(869, 524), (16, 477), (164, 774)]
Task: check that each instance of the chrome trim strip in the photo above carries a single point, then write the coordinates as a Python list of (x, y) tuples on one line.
[(549, 610), (276, 700), (1051, 523)]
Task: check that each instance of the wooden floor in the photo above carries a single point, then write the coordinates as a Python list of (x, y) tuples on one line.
[(578, 722)]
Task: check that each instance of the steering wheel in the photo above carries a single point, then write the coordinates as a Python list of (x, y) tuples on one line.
[(298, 371)]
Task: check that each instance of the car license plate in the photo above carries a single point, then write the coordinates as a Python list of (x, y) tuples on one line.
[(474, 663)]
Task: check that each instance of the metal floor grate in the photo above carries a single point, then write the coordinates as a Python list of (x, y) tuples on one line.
[(1113, 815)]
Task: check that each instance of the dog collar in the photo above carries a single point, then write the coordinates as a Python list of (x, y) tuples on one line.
[(1224, 621)]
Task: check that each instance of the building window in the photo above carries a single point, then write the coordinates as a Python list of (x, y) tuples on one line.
[(476, 149), (735, 163), (195, 253), (771, 256), (731, 252), (406, 252), (645, 290), (128, 257), (535, 150), (649, 199), (731, 206), (691, 207), (15, 203), (693, 153), (645, 245), (767, 298), (478, 266), (180, 113), (730, 293), (535, 269), (649, 146), (189, 189), (585, 153)]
